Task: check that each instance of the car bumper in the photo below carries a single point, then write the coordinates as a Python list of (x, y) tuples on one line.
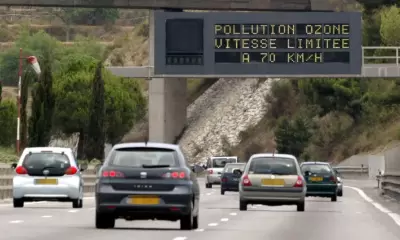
[(46, 192), (321, 190), (272, 195), (230, 186), (214, 179)]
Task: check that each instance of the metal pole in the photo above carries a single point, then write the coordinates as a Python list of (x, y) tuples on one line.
[(19, 102)]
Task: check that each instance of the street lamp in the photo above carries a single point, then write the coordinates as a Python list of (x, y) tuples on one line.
[(32, 60)]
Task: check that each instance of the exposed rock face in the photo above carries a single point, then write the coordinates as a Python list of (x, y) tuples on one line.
[(223, 111)]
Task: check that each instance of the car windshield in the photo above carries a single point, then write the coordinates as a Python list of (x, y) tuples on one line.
[(273, 165), (144, 157), (316, 168), (221, 162), (46, 160), (229, 168)]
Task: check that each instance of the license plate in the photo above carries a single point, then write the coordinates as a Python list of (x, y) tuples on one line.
[(144, 200), (236, 179), (46, 181), (273, 182), (316, 179)]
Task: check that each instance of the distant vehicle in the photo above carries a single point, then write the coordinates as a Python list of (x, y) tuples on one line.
[(339, 183), (321, 180), (147, 181), (229, 178), (48, 174), (214, 167), (272, 179)]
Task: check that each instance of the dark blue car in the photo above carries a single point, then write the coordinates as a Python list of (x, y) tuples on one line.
[(229, 179)]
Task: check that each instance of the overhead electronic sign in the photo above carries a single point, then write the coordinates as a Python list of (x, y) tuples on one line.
[(217, 44)]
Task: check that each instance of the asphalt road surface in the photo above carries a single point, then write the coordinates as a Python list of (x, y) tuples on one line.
[(354, 216)]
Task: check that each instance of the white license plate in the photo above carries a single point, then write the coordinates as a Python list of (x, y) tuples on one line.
[(236, 179)]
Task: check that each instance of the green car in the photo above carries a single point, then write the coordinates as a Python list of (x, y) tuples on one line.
[(320, 179)]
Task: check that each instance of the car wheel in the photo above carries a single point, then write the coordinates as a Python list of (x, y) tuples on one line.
[(242, 205), (18, 203), (334, 198), (187, 220), (222, 192), (208, 185), (195, 222), (340, 193), (104, 221), (77, 203), (301, 206)]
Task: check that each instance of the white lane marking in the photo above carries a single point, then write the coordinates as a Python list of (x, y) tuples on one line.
[(253, 206), (392, 215), (35, 203), (180, 238), (208, 194), (212, 224), (199, 230), (224, 219), (46, 216), (73, 211), (16, 221), (233, 214)]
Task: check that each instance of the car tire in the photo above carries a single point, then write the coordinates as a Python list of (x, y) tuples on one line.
[(18, 203), (195, 222), (77, 203), (222, 192), (104, 221), (242, 205), (186, 221), (208, 185), (340, 193), (334, 198), (301, 206)]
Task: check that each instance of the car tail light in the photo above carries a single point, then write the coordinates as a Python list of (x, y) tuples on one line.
[(71, 171), (246, 181), (210, 171), (175, 175), (333, 179), (112, 174), (21, 170), (224, 179), (299, 182)]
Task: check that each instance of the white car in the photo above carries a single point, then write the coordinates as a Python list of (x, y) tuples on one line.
[(47, 174), (215, 166)]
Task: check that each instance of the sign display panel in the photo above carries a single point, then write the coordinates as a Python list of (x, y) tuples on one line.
[(258, 44)]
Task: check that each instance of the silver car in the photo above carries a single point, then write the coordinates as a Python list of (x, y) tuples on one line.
[(215, 166), (272, 179), (47, 174)]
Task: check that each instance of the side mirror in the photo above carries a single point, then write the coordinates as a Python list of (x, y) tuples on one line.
[(193, 168), (205, 167), (83, 167), (13, 165), (237, 172)]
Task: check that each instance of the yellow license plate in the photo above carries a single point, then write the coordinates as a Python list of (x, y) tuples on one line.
[(144, 200), (273, 182), (46, 181), (316, 179)]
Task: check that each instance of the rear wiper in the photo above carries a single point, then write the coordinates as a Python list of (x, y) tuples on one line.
[(155, 166)]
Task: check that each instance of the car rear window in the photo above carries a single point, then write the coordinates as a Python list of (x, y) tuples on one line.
[(221, 162), (230, 167), (46, 160), (144, 157), (316, 168), (273, 165)]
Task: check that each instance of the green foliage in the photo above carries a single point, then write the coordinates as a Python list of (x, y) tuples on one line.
[(87, 16), (1, 90), (8, 123), (94, 144)]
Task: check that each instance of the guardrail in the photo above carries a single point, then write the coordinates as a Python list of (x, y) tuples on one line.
[(352, 172), (390, 184)]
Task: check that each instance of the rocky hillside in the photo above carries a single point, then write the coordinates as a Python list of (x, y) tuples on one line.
[(216, 119)]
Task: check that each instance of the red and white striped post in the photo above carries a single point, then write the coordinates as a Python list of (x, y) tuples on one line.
[(36, 67)]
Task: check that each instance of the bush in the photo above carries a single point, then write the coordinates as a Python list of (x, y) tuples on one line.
[(8, 123)]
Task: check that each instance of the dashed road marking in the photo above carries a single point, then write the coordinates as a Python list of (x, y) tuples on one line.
[(73, 211), (199, 230), (16, 221), (212, 224), (46, 216), (208, 194), (392, 215), (224, 219), (233, 214), (180, 238)]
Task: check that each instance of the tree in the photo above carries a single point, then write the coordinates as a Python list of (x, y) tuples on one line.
[(43, 103), (1, 90), (94, 145), (24, 101), (8, 116)]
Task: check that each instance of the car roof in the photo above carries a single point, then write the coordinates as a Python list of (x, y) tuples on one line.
[(223, 157), (273, 155), (315, 163), (148, 144), (53, 149)]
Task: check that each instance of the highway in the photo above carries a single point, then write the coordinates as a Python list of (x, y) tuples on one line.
[(354, 216)]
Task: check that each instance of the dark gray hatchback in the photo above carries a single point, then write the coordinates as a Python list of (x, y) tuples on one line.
[(147, 181)]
